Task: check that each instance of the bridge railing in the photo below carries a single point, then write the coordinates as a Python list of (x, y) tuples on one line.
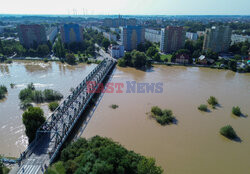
[(84, 105)]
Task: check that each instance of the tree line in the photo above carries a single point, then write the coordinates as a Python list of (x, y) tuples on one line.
[(102, 156)]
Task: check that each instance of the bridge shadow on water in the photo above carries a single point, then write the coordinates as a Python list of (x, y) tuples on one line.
[(43, 144)]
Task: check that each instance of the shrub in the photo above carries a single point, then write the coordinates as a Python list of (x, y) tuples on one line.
[(26, 104), (12, 85), (37, 96), (3, 91), (45, 60), (212, 101), (25, 94), (53, 106), (236, 110), (122, 62), (203, 107), (156, 111), (81, 59), (51, 95), (3, 88), (9, 61), (228, 132), (162, 116), (114, 106)]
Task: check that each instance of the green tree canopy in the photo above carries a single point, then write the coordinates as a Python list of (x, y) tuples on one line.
[(151, 51), (33, 118), (103, 156)]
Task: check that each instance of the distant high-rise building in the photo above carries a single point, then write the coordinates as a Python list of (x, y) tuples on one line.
[(153, 35), (217, 39), (31, 35), (117, 22), (172, 39), (116, 51), (71, 33), (52, 33), (191, 36), (131, 36)]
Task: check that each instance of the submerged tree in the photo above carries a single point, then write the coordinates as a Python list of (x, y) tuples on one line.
[(33, 118)]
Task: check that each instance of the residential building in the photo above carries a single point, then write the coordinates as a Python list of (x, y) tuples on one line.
[(1, 29), (71, 33), (153, 35), (131, 36), (172, 39), (191, 36), (116, 51), (117, 30), (236, 38), (97, 29), (52, 33), (200, 33), (217, 39), (31, 35), (110, 36), (182, 58)]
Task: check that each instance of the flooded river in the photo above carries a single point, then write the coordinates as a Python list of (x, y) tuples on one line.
[(192, 146), (53, 75)]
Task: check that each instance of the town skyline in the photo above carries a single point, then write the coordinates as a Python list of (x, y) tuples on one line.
[(127, 7)]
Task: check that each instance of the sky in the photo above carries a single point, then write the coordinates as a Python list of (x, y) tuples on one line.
[(127, 7)]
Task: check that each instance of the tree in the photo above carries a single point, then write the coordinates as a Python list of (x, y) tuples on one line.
[(139, 59), (147, 166), (70, 58), (43, 50), (33, 118), (236, 111), (122, 62), (189, 45), (105, 43), (53, 106), (228, 132), (237, 57), (103, 156), (232, 64), (244, 50), (212, 101), (212, 55), (157, 57), (141, 47), (3, 91), (127, 57), (151, 51)]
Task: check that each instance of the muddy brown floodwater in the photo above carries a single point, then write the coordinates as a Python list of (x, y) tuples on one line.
[(53, 75), (192, 146)]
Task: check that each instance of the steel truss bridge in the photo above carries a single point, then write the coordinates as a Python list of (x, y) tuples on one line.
[(53, 133)]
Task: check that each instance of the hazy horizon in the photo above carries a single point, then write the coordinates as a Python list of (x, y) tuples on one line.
[(126, 7)]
